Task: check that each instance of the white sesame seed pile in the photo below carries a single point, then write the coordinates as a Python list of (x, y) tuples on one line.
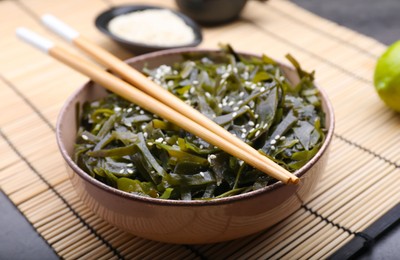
[(153, 26)]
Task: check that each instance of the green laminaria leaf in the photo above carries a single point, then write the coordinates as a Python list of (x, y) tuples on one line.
[(303, 133), (167, 193), (135, 186), (284, 126), (180, 155), (118, 151), (148, 156), (164, 125)]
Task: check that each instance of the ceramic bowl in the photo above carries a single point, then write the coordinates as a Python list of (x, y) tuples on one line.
[(212, 12), (105, 17), (187, 222)]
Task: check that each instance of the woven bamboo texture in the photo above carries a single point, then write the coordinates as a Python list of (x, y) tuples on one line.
[(359, 185)]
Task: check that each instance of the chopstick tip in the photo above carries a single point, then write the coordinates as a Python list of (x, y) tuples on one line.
[(34, 39), (59, 27), (294, 180)]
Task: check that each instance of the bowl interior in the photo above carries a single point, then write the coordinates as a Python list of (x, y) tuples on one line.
[(105, 17)]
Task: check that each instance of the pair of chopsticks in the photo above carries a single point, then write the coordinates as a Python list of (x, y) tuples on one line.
[(146, 94)]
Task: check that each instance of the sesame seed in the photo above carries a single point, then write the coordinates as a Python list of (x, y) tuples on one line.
[(202, 174), (241, 94), (225, 75), (265, 126), (122, 171), (282, 138), (256, 116), (210, 158), (170, 83), (195, 82), (241, 162), (273, 147), (235, 108), (243, 136), (145, 134), (234, 114), (231, 103), (220, 105), (192, 90), (257, 125), (117, 109), (84, 137), (277, 137), (235, 70), (273, 141), (208, 95), (257, 133), (262, 89), (159, 140), (129, 164), (129, 110), (164, 142), (253, 86), (201, 146), (137, 108), (149, 143), (141, 112), (240, 102), (130, 171), (251, 123), (243, 130)]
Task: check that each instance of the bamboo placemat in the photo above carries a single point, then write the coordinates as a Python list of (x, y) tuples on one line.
[(359, 186)]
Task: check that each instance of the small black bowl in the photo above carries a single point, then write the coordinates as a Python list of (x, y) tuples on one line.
[(105, 17), (212, 12)]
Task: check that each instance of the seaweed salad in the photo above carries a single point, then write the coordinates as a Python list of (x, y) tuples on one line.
[(130, 149)]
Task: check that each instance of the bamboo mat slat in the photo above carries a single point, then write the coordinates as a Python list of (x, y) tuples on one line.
[(359, 185)]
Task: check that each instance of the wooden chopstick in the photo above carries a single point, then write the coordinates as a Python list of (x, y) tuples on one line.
[(227, 143), (143, 83)]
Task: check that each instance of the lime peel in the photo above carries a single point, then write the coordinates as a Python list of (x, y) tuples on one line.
[(387, 76)]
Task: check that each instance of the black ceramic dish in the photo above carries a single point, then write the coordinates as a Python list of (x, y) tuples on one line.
[(212, 12), (104, 18)]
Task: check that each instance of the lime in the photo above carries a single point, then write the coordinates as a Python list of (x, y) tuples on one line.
[(387, 76)]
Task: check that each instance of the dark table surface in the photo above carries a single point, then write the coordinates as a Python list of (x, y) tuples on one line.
[(377, 19)]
